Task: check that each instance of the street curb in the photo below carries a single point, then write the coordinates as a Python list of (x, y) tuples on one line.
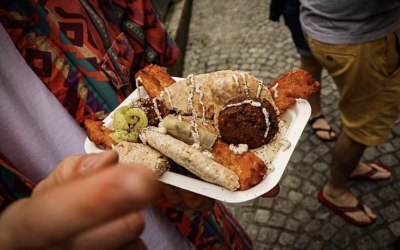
[(177, 20)]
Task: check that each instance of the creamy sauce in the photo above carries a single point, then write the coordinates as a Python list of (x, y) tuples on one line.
[(260, 85), (276, 110), (201, 96), (251, 102), (268, 151), (143, 138), (208, 153), (236, 81), (156, 109), (161, 129), (285, 143), (169, 96), (275, 90), (239, 149), (246, 87), (267, 123)]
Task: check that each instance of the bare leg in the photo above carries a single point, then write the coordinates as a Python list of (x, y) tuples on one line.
[(315, 69), (346, 155), (311, 65)]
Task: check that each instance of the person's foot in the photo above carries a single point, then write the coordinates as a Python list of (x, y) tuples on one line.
[(366, 170), (344, 204), (321, 128)]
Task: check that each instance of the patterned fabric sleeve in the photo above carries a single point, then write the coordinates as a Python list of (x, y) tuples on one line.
[(147, 35), (86, 53), (13, 184), (214, 229)]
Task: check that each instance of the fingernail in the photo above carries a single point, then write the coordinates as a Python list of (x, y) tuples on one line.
[(94, 161), (89, 162)]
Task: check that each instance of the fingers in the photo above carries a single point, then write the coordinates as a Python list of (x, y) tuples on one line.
[(186, 200), (76, 165), (113, 235), (273, 192), (67, 210)]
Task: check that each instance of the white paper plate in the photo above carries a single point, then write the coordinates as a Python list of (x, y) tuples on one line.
[(296, 118)]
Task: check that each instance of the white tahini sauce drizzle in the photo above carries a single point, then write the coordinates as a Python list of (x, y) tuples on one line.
[(267, 122), (161, 129), (201, 96), (239, 149), (193, 121), (276, 110), (156, 109), (236, 80), (139, 82), (275, 89), (169, 96), (208, 153), (251, 102), (260, 85), (142, 137), (285, 143), (246, 87), (268, 151)]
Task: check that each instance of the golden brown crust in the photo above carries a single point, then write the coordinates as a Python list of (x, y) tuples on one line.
[(160, 74), (250, 169), (154, 79), (294, 84), (98, 133)]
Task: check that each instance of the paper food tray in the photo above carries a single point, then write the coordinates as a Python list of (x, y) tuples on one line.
[(296, 119)]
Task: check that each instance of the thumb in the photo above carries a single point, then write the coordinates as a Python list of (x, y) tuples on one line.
[(62, 213), (74, 166)]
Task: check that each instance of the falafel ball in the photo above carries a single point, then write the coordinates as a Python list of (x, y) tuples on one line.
[(242, 121)]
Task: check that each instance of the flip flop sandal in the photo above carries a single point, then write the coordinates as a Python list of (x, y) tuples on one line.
[(316, 130), (341, 211), (375, 166)]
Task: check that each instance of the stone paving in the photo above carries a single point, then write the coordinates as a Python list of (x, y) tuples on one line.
[(236, 34)]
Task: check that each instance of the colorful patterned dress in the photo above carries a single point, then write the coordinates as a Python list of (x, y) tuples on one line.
[(86, 53)]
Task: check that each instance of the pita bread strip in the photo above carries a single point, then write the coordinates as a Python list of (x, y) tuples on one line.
[(143, 154), (192, 159)]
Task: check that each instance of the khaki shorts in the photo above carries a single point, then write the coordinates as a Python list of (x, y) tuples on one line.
[(368, 79)]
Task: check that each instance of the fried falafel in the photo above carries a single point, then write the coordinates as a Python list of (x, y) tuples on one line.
[(250, 121)]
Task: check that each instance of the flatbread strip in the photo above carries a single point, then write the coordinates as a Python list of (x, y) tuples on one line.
[(250, 169), (98, 133), (154, 79), (143, 154), (191, 159), (295, 83)]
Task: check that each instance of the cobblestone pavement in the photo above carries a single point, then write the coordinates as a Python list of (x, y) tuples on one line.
[(236, 34)]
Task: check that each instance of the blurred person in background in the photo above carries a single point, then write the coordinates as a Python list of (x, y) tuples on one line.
[(290, 9), (358, 42)]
